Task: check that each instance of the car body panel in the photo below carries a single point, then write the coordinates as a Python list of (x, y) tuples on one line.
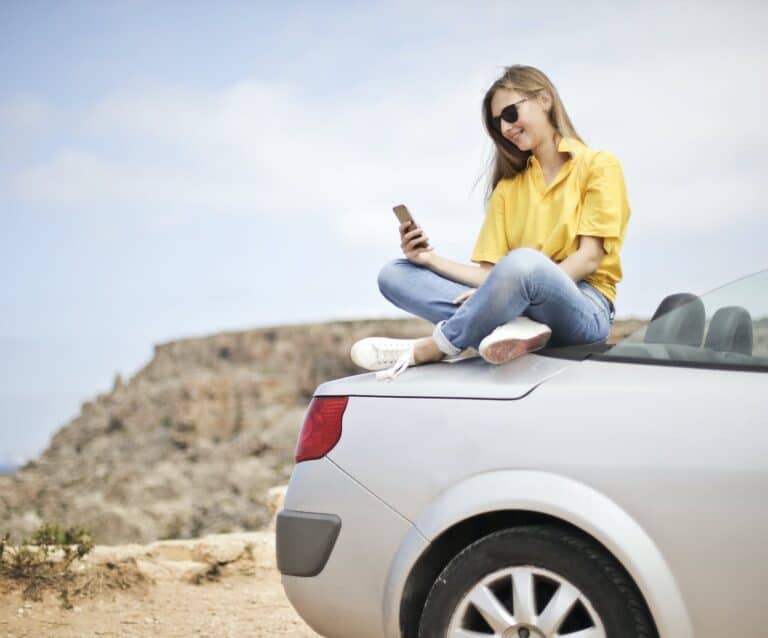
[(653, 440), (357, 569), (573, 503)]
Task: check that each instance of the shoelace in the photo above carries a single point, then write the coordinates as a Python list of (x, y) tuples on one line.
[(396, 370)]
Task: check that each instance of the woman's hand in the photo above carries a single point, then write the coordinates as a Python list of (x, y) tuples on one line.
[(465, 295), (409, 240)]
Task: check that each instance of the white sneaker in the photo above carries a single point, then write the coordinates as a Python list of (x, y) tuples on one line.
[(390, 356), (513, 339)]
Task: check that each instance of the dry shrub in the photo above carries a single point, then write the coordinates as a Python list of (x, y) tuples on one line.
[(108, 577), (43, 563)]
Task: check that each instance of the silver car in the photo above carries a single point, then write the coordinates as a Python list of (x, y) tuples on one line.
[(584, 492)]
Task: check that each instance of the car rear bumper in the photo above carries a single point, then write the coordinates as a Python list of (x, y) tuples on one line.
[(346, 597), (305, 541)]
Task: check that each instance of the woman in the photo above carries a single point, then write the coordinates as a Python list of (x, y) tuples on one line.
[(548, 251)]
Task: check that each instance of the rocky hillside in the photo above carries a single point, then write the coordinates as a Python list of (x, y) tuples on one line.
[(190, 444)]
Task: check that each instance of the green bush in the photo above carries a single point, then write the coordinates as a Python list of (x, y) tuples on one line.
[(43, 560)]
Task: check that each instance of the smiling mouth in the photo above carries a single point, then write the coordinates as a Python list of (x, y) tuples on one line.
[(516, 135)]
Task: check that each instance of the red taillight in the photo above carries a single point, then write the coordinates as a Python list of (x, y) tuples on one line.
[(322, 428)]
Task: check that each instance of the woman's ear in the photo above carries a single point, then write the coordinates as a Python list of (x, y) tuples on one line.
[(545, 99)]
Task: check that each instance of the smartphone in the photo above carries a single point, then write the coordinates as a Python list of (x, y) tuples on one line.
[(404, 215)]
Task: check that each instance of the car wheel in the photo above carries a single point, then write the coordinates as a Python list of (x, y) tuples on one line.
[(534, 582)]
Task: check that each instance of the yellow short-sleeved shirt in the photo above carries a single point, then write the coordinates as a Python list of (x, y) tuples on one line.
[(587, 197)]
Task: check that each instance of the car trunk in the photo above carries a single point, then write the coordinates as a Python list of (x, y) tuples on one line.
[(466, 378)]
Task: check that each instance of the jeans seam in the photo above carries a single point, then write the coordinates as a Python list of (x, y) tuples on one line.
[(603, 307)]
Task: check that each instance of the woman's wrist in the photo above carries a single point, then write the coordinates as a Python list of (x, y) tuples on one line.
[(429, 258)]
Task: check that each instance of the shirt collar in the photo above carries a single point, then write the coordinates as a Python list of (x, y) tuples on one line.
[(570, 145), (567, 145)]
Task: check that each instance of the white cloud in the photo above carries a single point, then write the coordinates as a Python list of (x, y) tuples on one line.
[(258, 147), (267, 149)]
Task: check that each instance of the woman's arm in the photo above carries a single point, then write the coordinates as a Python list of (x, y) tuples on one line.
[(462, 273), (577, 265), (585, 260), (416, 248)]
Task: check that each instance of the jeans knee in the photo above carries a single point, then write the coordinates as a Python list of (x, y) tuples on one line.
[(390, 275), (520, 264)]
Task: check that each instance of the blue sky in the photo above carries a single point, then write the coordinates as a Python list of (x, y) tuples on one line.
[(177, 169)]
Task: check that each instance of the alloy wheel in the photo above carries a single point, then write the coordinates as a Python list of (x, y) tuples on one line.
[(525, 602)]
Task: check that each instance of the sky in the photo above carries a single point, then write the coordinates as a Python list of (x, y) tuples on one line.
[(179, 169)]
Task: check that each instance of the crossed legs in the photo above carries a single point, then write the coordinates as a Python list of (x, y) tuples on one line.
[(523, 283)]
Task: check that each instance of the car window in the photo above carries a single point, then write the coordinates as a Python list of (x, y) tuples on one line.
[(725, 328)]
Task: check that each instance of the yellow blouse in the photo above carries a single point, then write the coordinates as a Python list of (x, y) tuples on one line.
[(587, 197)]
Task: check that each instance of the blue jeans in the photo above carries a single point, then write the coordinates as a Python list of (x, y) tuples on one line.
[(524, 282)]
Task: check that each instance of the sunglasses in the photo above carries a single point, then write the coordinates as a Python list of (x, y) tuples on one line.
[(508, 114)]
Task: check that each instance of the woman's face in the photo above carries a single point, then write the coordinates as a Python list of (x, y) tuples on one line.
[(532, 125)]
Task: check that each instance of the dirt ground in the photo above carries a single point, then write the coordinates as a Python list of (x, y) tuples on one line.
[(245, 599)]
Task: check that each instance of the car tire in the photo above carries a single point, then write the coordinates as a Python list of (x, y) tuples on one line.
[(560, 582)]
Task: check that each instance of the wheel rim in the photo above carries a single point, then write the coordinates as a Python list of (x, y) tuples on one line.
[(525, 602)]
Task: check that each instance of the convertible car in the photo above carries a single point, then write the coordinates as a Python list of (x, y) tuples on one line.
[(600, 491)]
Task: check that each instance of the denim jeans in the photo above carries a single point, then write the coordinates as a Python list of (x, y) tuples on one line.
[(524, 282)]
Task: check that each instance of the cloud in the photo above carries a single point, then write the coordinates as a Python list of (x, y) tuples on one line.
[(271, 149), (256, 147)]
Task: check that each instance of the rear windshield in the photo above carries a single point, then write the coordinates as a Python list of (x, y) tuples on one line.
[(725, 328)]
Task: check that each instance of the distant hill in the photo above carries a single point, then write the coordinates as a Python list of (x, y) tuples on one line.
[(192, 442), (7, 469)]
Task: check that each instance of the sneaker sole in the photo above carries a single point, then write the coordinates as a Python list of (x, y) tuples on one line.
[(506, 350)]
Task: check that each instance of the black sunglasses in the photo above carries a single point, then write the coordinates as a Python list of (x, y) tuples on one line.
[(508, 114)]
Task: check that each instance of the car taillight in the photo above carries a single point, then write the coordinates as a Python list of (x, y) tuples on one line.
[(322, 428)]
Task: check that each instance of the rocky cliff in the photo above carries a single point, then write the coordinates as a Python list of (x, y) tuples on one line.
[(192, 442)]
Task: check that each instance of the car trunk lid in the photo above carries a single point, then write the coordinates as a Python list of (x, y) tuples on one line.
[(467, 378)]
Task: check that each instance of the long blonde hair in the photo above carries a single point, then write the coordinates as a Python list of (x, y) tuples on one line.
[(507, 159)]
